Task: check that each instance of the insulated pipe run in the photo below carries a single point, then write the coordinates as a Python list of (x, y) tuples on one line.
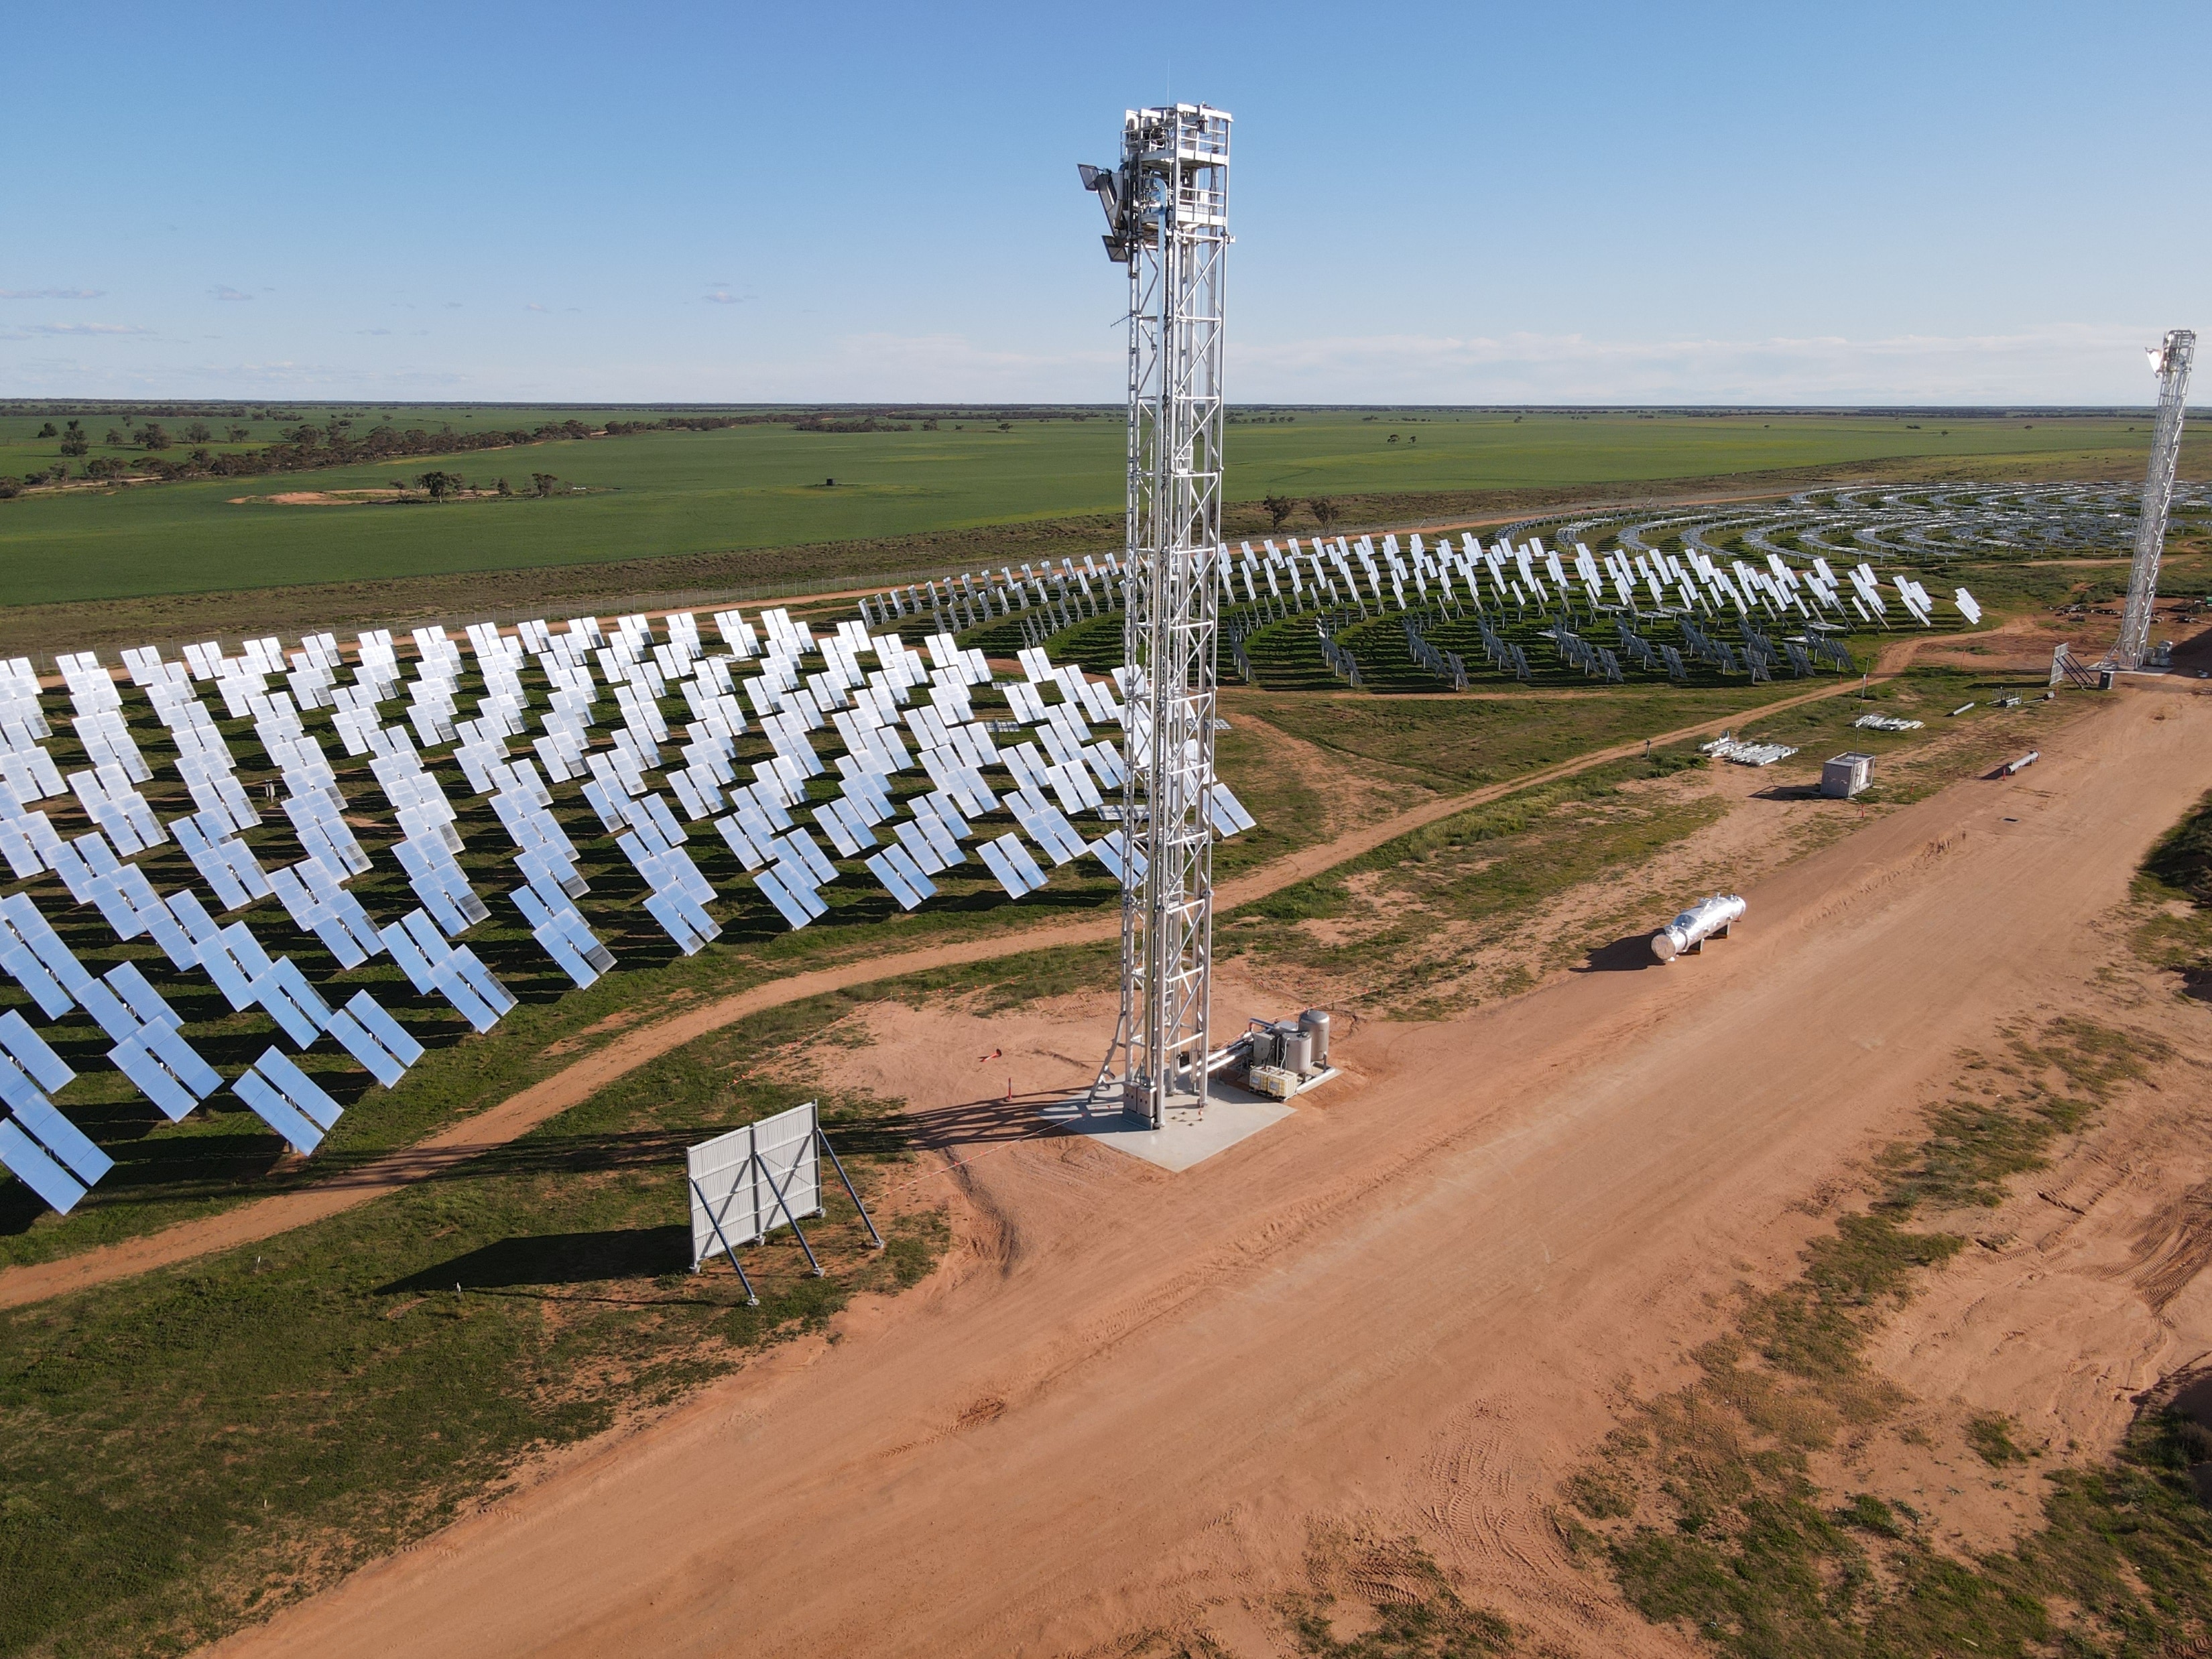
[(1705, 920)]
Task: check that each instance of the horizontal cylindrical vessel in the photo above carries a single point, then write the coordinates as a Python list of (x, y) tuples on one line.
[(1696, 925)]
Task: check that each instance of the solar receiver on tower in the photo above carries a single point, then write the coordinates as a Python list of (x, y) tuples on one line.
[(2170, 361), (1167, 214)]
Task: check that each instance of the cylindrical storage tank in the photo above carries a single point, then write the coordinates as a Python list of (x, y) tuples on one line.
[(1696, 925), (1314, 1023), (1297, 1051)]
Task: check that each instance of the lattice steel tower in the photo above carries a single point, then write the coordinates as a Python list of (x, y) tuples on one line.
[(2170, 362), (1167, 210)]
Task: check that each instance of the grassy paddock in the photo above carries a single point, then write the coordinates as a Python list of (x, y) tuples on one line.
[(1448, 744), (621, 581), (747, 490), (189, 1449), (1403, 748), (1412, 923), (136, 1513), (1409, 923), (2175, 888), (193, 1448), (224, 1156), (1703, 1506), (1908, 766)]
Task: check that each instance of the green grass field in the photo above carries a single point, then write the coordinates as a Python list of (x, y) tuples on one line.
[(1707, 1504), (137, 1521), (377, 1372), (657, 495), (533, 1296), (365, 1397)]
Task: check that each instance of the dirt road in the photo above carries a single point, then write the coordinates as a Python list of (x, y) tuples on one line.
[(1143, 1402), (573, 1084)]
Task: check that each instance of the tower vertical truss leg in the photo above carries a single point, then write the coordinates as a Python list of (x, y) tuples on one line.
[(1167, 207), (2171, 361)]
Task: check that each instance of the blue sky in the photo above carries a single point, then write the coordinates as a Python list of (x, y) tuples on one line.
[(1783, 204)]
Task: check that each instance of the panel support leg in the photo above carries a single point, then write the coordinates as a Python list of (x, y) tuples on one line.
[(781, 1204), (752, 1300), (876, 1238)]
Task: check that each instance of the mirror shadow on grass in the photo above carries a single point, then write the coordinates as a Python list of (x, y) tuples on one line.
[(555, 1258)]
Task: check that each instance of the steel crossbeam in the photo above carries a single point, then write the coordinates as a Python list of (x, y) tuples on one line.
[(1167, 205), (2171, 361)]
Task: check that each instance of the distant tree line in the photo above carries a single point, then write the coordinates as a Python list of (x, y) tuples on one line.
[(694, 423), (1278, 510), (300, 448), (866, 423), (441, 486), (308, 447)]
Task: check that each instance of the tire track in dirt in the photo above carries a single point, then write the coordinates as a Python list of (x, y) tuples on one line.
[(440, 1153), (1379, 1343), (2174, 1246)]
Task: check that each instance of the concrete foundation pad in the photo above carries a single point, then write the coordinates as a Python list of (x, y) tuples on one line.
[(1187, 1138)]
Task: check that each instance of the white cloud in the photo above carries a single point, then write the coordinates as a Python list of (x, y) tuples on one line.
[(58, 377), (2085, 363), (26, 332), (915, 368), (229, 293), (51, 292), (2098, 363), (2095, 363), (2057, 363), (317, 376)]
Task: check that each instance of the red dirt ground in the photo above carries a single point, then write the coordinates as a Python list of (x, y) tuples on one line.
[(1135, 1402), (573, 1084)]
